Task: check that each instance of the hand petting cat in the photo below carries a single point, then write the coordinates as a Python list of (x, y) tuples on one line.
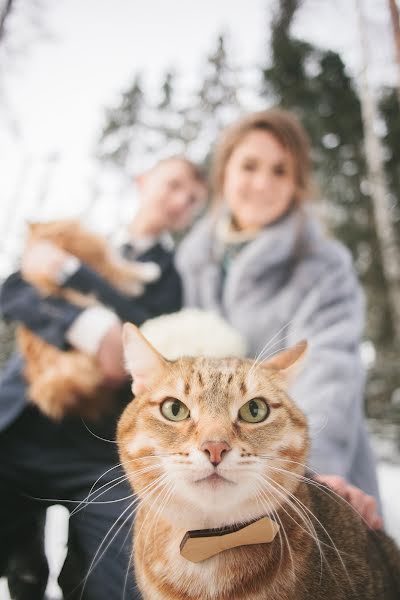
[(364, 504)]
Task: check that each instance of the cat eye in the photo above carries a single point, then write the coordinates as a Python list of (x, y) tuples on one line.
[(254, 411), (174, 410)]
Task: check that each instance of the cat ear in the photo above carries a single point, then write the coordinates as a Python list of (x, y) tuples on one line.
[(142, 360), (288, 361)]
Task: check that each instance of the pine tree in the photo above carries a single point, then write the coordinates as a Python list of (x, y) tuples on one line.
[(216, 102), (166, 121), (124, 128), (172, 124), (192, 126)]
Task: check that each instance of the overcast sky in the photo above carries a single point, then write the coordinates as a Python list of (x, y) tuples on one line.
[(57, 89)]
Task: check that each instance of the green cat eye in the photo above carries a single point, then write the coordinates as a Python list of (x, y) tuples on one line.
[(174, 410), (254, 411)]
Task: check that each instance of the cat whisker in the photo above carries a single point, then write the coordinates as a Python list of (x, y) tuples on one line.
[(116, 466), (314, 427), (268, 352), (308, 481), (88, 500), (268, 343), (272, 512), (102, 475), (155, 500), (288, 460), (127, 571), (327, 545), (154, 484), (306, 520), (96, 560), (94, 501), (122, 477), (129, 566), (64, 501), (118, 481), (163, 503), (281, 527), (98, 437), (319, 485), (305, 509), (310, 529)]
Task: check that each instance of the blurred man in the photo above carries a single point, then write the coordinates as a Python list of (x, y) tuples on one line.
[(42, 459)]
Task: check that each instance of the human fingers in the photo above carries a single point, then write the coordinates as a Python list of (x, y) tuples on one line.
[(335, 482), (43, 259), (366, 505)]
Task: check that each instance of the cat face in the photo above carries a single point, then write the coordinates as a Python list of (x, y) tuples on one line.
[(208, 437)]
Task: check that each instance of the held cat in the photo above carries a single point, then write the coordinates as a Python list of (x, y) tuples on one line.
[(212, 443), (70, 382)]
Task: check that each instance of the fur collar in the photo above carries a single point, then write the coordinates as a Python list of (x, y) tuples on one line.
[(276, 244)]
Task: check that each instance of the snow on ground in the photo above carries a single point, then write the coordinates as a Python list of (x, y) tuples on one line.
[(389, 482)]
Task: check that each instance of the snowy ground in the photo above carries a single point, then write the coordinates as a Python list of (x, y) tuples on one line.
[(389, 481), (56, 534)]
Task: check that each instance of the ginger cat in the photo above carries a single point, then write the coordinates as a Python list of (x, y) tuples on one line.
[(210, 443), (70, 382)]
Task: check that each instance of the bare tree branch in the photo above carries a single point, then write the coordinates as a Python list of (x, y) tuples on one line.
[(3, 16)]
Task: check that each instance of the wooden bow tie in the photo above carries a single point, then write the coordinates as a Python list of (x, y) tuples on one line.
[(198, 545)]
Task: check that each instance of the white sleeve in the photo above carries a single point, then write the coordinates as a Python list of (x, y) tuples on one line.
[(87, 331)]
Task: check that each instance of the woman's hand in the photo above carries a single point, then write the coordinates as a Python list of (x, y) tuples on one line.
[(43, 260), (110, 357), (364, 504)]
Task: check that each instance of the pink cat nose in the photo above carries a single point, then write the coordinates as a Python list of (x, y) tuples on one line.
[(215, 451)]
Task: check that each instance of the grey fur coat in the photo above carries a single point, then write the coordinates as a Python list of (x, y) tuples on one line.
[(294, 283)]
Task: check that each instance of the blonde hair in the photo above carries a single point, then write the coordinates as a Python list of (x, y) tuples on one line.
[(285, 127)]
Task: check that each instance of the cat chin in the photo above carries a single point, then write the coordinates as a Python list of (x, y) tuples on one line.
[(189, 511), (185, 516)]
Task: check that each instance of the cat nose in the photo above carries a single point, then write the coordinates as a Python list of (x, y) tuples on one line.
[(215, 451)]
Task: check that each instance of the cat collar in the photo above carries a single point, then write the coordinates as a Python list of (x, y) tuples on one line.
[(200, 544)]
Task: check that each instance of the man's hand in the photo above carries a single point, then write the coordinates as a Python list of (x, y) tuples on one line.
[(111, 358), (363, 503), (43, 260)]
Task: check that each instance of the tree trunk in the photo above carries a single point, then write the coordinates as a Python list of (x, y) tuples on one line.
[(3, 16), (378, 187), (394, 13)]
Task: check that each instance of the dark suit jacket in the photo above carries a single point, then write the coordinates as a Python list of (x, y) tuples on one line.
[(50, 317)]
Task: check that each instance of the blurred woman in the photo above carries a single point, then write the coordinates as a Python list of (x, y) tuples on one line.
[(261, 259)]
